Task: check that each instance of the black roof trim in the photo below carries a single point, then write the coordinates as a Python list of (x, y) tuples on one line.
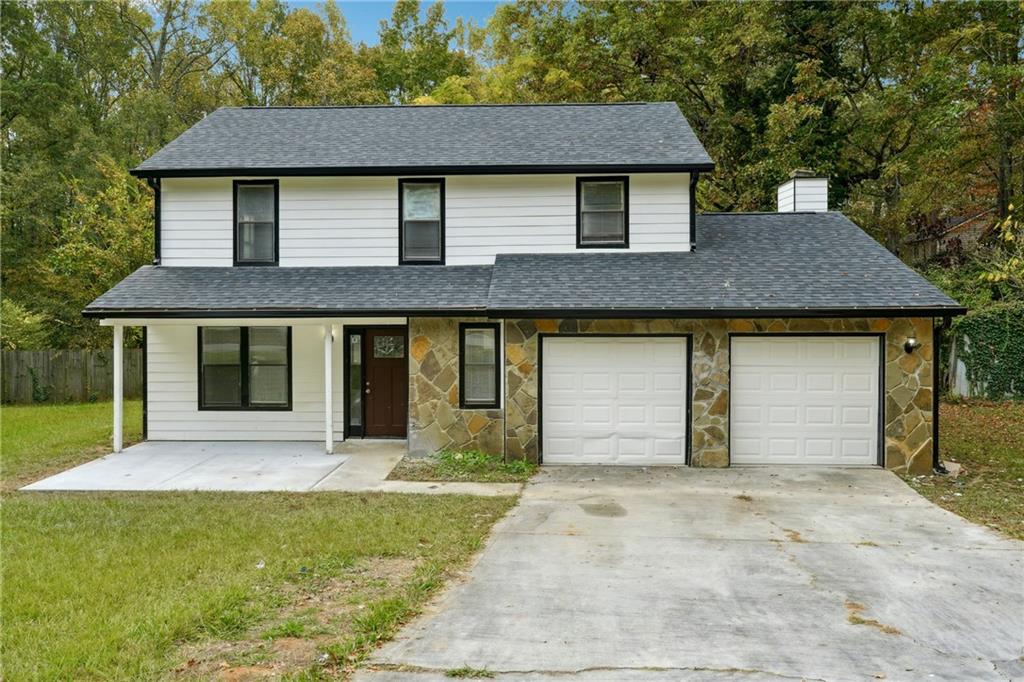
[(363, 171), (716, 313), (284, 313)]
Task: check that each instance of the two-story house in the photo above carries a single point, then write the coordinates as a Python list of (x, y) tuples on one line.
[(529, 280)]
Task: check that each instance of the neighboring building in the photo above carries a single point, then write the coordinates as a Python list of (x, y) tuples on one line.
[(952, 236), (530, 280)]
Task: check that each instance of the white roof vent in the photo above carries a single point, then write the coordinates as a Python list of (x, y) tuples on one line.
[(804, 191)]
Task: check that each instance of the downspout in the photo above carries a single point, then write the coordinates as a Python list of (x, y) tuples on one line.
[(937, 337), (694, 177), (154, 184)]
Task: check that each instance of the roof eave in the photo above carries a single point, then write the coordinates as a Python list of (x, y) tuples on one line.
[(711, 312), (366, 171), (283, 313)]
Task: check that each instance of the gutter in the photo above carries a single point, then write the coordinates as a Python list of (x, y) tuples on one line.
[(368, 171), (714, 313), (284, 313), (938, 332)]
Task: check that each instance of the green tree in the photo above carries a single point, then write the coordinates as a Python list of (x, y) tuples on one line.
[(415, 55)]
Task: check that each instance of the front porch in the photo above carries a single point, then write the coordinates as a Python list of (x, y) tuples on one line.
[(254, 466)]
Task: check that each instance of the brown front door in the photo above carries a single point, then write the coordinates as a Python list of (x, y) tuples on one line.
[(386, 382)]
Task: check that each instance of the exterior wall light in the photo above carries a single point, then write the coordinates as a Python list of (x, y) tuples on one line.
[(911, 344)]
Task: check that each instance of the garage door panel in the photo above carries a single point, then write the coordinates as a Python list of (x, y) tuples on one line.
[(804, 400), (640, 418)]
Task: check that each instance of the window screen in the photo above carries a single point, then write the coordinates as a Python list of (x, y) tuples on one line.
[(479, 365), (422, 222), (602, 219), (256, 223), (245, 367)]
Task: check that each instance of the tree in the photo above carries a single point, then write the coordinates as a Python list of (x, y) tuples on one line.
[(416, 55)]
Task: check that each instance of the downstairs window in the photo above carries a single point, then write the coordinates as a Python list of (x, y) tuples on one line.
[(479, 365), (245, 368)]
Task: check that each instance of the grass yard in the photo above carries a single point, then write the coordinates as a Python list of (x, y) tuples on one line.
[(472, 465), (39, 440), (127, 586), (196, 585), (987, 440)]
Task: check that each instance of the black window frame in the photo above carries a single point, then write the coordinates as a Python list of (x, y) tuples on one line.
[(480, 405), (244, 366), (277, 223), (624, 244), (402, 260)]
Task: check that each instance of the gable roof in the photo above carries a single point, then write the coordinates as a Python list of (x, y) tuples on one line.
[(746, 265), (448, 139)]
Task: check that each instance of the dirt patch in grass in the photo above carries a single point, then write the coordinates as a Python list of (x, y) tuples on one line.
[(315, 615), (472, 465), (987, 441)]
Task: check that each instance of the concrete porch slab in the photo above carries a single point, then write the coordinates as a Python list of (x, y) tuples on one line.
[(224, 466), (356, 466)]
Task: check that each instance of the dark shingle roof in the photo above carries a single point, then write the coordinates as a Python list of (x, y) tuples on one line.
[(264, 291), (381, 139), (788, 262)]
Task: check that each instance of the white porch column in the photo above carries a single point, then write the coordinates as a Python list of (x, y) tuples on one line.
[(118, 387), (328, 387)]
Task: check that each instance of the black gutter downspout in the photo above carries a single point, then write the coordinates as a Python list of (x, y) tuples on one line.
[(694, 177), (145, 383), (154, 184), (937, 337)]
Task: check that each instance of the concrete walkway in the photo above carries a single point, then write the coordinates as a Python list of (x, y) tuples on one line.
[(744, 574), (356, 466)]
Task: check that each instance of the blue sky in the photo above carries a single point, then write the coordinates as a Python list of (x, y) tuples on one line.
[(364, 16)]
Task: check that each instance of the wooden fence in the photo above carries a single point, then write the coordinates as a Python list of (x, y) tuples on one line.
[(63, 376)]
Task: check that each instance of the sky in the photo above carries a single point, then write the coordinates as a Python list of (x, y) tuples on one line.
[(364, 16)]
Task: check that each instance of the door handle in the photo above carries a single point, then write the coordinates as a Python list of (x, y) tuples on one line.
[(367, 391)]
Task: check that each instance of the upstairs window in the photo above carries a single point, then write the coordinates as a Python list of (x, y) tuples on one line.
[(421, 221), (256, 222), (245, 368), (602, 212), (479, 365)]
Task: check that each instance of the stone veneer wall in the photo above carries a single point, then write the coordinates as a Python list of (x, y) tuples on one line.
[(435, 420), (908, 380)]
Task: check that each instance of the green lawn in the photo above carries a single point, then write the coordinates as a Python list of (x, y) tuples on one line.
[(127, 586), (135, 586), (987, 440), (38, 440)]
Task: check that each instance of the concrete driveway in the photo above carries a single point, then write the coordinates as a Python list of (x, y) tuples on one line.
[(743, 574)]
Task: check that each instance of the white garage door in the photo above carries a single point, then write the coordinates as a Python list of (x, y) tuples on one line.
[(804, 400), (618, 400)]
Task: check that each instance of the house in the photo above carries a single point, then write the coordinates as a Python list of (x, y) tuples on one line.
[(530, 280), (949, 238)]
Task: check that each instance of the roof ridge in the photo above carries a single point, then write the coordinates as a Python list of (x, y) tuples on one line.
[(481, 105)]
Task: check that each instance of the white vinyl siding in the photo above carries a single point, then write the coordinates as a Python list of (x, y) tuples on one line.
[(173, 410), (331, 221), (196, 221), (811, 194)]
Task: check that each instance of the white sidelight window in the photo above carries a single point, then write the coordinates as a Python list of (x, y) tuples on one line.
[(256, 222), (602, 212), (479, 365), (421, 217)]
